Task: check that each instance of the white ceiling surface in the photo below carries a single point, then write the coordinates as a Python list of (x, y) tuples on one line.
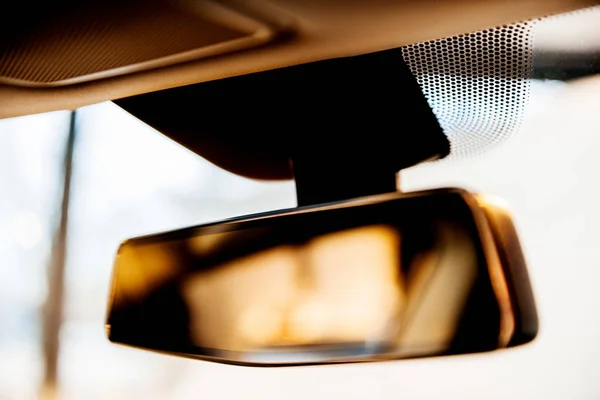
[(548, 173)]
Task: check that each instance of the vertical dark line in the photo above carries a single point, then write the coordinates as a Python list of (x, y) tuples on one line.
[(53, 308)]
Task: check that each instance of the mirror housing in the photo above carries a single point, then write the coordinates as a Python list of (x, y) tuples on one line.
[(381, 277)]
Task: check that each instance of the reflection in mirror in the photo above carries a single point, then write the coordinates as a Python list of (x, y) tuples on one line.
[(390, 277)]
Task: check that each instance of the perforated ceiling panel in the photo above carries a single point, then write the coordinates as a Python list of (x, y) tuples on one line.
[(477, 84), (79, 42)]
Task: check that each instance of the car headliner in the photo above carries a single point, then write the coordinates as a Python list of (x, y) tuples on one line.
[(301, 31)]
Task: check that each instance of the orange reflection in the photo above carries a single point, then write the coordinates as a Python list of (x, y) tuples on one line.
[(340, 287), (145, 267), (242, 303), (352, 288), (438, 287), (498, 218)]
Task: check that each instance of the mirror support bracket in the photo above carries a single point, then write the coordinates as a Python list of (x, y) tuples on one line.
[(321, 180), (348, 124), (366, 118)]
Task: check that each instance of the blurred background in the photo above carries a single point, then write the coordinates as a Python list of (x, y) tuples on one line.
[(123, 179)]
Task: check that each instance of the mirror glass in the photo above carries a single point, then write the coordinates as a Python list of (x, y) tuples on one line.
[(395, 276)]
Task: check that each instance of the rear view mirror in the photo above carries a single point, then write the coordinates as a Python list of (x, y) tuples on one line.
[(382, 277)]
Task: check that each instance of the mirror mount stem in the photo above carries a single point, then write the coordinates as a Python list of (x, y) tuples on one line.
[(355, 123), (322, 180)]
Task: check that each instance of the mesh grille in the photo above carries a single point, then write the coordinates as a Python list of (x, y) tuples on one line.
[(477, 84), (97, 38)]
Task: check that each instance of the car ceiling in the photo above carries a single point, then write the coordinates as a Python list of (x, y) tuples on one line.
[(69, 54)]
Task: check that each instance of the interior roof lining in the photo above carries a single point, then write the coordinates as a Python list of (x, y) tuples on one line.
[(323, 30)]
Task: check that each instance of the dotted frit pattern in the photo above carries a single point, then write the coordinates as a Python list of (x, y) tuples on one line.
[(477, 83)]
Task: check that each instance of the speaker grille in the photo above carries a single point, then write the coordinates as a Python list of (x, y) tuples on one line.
[(93, 41)]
